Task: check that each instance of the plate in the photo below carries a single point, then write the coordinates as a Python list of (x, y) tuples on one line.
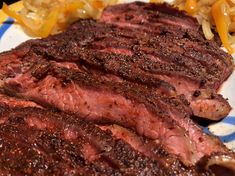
[(12, 35)]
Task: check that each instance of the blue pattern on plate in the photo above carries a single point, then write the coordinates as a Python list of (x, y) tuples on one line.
[(6, 25), (227, 137), (229, 120), (207, 131)]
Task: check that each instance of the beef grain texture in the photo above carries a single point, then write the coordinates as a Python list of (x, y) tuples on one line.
[(149, 73), (52, 143), (156, 116), (162, 46)]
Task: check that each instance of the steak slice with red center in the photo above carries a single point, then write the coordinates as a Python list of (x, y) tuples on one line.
[(36, 141), (103, 100), (147, 58)]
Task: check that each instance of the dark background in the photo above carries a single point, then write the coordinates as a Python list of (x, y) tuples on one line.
[(6, 1)]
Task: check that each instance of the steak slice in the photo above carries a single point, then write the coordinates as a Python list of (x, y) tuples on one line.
[(150, 12), (152, 115), (59, 144), (151, 149), (39, 151), (54, 143), (142, 57), (116, 100), (168, 17), (153, 56)]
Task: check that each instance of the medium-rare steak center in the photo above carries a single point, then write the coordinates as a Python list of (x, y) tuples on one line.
[(161, 52)]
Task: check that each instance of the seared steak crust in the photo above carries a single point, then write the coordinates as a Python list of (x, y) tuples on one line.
[(153, 115), (146, 57), (59, 144), (147, 73)]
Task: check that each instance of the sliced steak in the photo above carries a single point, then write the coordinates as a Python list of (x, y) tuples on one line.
[(163, 15), (143, 72), (40, 151), (58, 144), (116, 100), (158, 14), (152, 115), (146, 58), (154, 150), (151, 149)]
